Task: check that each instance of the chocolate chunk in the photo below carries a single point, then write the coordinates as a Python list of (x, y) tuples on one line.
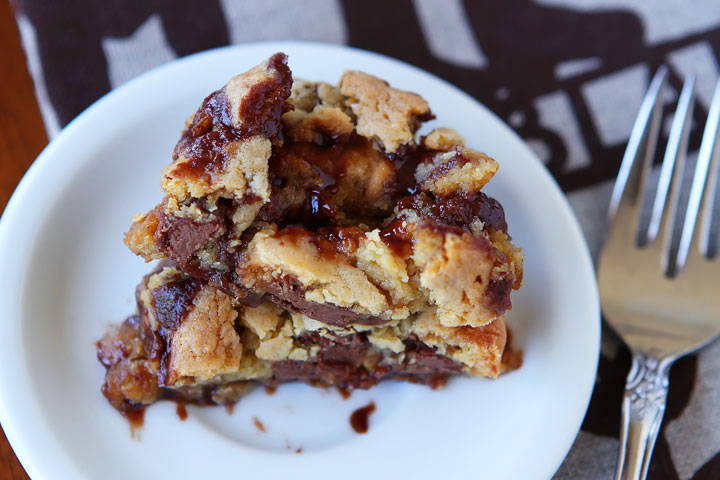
[(459, 210), (498, 295), (421, 360), (352, 349), (173, 301), (264, 105), (345, 361), (182, 237), (290, 295)]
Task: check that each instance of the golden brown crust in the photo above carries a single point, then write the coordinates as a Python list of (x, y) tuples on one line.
[(460, 170), (244, 173), (206, 344), (140, 239), (305, 126), (514, 255), (274, 330), (306, 95), (319, 110), (325, 280), (480, 349), (443, 139), (457, 272), (382, 112)]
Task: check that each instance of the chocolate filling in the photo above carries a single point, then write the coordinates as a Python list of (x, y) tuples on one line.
[(205, 140), (350, 362), (132, 379), (459, 210), (335, 182), (173, 301), (498, 295), (290, 295), (266, 102), (182, 237), (397, 237)]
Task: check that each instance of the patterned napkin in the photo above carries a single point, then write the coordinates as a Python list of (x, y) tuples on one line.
[(567, 75)]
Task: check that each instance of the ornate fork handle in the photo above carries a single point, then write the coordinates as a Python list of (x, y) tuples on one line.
[(642, 413)]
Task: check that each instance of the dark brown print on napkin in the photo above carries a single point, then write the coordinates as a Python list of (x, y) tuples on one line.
[(70, 33), (710, 471)]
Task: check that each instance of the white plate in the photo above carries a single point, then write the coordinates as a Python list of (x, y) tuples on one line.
[(67, 276)]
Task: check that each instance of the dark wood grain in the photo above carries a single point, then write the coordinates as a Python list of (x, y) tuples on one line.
[(10, 468), (22, 133), (22, 138)]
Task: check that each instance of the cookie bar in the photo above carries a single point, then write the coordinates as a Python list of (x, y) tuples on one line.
[(194, 343), (323, 201)]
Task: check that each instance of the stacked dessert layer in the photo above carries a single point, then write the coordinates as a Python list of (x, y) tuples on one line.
[(306, 233)]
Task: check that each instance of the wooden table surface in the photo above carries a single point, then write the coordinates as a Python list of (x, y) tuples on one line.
[(22, 138)]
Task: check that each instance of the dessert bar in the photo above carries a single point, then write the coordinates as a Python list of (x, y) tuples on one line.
[(308, 233)]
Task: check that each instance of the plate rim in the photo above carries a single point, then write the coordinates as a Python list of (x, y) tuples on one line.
[(21, 442)]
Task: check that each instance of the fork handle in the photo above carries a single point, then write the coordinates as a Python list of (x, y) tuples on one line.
[(642, 413)]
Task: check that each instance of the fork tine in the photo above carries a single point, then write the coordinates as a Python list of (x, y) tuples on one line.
[(626, 199), (694, 241), (664, 211)]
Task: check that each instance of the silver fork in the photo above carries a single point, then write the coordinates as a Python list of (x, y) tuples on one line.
[(662, 305)]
